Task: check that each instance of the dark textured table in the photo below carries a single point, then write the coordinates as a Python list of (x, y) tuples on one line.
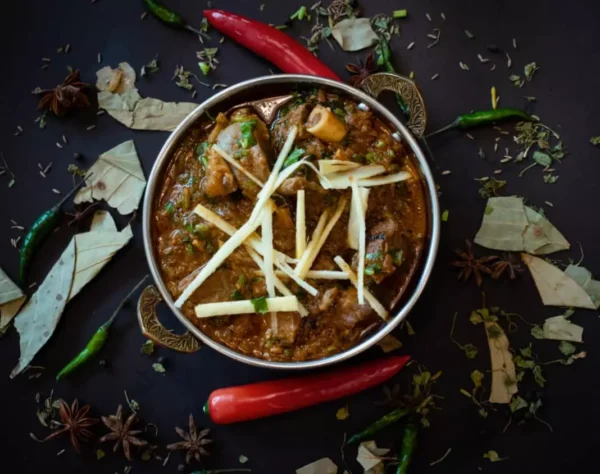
[(563, 39)]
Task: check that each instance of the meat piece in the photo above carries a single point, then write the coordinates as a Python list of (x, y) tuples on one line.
[(385, 247), (221, 122), (349, 312), (219, 180), (288, 324), (255, 159), (284, 230), (295, 117), (291, 186)]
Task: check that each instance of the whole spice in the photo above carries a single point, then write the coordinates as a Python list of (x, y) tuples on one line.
[(38, 232), (506, 264), (194, 441), (409, 444), (121, 432), (97, 341), (249, 402), (69, 94), (361, 70), (270, 43), (484, 117), (168, 17), (74, 421), (374, 428), (468, 264)]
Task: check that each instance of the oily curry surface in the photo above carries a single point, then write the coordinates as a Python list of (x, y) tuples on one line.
[(329, 127)]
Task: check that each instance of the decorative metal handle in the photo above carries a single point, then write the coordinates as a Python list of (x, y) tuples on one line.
[(154, 330), (405, 88)]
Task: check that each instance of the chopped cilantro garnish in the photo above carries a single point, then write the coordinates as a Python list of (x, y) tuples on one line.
[(170, 207), (293, 157), (374, 256), (372, 157), (260, 305), (400, 14), (373, 269), (246, 129)]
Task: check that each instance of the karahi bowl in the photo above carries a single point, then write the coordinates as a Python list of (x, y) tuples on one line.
[(270, 86)]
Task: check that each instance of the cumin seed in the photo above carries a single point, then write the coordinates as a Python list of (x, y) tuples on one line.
[(143, 16), (497, 171), (58, 145), (411, 45), (99, 58), (91, 127), (469, 34), (508, 60), (514, 43), (443, 15), (468, 135), (446, 172), (44, 67), (47, 60), (549, 203), (101, 112), (42, 174), (428, 16), (64, 139), (493, 68), (55, 191), (67, 48), (482, 59), (435, 76)]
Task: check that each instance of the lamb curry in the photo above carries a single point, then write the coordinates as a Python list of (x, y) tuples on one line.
[(290, 241)]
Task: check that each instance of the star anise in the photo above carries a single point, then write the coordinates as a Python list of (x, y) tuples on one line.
[(506, 264), (361, 70), (75, 421), (121, 432), (471, 265), (338, 9), (71, 93), (193, 441)]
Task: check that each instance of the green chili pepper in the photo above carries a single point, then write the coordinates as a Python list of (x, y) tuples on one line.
[(38, 232), (409, 444), (484, 117), (389, 419), (384, 58), (168, 17), (96, 343)]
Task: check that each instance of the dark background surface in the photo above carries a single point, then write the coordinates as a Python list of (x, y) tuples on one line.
[(563, 39)]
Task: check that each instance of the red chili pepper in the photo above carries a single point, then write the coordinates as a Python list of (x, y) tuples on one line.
[(270, 43), (258, 400)]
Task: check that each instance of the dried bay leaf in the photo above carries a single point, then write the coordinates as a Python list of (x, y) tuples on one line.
[(370, 457), (354, 34), (504, 376), (584, 277), (389, 343), (120, 98), (556, 288), (38, 319), (117, 178), (511, 226), (11, 300), (321, 466), (95, 248), (560, 328)]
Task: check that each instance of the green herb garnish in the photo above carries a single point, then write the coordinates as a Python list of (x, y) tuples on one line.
[(530, 70), (293, 157), (595, 140), (491, 187), (204, 67), (237, 295), (151, 67), (147, 348), (158, 367), (373, 268), (445, 215), (400, 14), (301, 14), (170, 207), (247, 129), (260, 305)]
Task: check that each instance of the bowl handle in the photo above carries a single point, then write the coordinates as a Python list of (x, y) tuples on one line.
[(154, 330), (405, 88)]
